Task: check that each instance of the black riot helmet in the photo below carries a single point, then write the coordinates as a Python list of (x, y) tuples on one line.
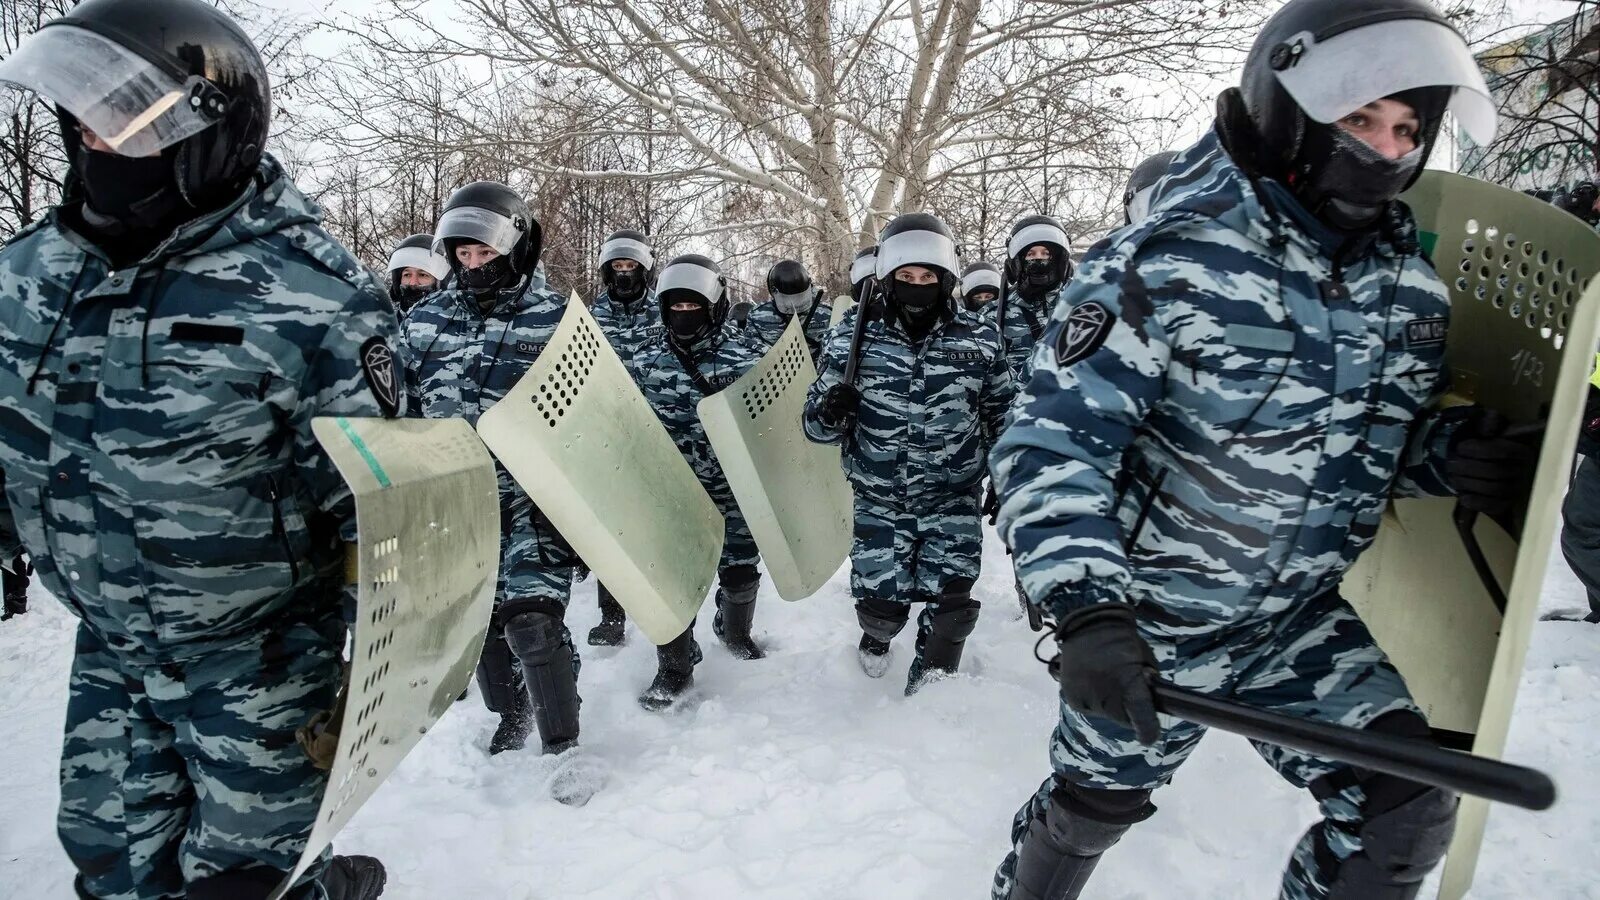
[(627, 244), (977, 278), (1136, 197), (692, 278), (1317, 61), (488, 212), (174, 78), (789, 285), (917, 239), (1028, 232)]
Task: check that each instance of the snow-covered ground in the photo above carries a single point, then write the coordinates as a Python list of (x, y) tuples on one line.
[(797, 777)]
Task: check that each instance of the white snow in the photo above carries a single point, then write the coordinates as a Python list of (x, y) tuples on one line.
[(798, 777)]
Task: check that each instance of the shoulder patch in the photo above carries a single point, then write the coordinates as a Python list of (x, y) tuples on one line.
[(378, 366), (1086, 328), (1424, 332)]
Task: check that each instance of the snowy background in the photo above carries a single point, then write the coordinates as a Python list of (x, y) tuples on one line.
[(798, 777)]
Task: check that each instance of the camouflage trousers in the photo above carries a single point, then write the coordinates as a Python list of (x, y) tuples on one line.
[(536, 572), (920, 556), (737, 569), (1316, 662), (172, 773)]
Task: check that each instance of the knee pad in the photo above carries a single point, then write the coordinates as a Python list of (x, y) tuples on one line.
[(1405, 829), (535, 637), (1085, 821), (882, 619), (739, 583)]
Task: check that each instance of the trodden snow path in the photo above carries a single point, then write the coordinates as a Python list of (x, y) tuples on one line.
[(797, 777)]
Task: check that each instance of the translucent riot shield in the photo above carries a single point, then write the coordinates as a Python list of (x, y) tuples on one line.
[(1523, 330), (790, 490), (427, 510), (578, 436)]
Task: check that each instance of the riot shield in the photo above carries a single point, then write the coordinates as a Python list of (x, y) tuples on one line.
[(1523, 328), (427, 510), (578, 436), (790, 490)]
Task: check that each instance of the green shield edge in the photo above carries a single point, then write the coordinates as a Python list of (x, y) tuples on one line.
[(578, 436), (791, 491), (1518, 274), (427, 513)]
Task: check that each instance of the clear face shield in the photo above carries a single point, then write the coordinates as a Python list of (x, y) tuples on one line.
[(792, 304), (136, 108), (1139, 204), (471, 224), (431, 262), (1333, 78)]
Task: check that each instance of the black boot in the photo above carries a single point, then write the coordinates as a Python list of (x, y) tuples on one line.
[(674, 672), (880, 621), (942, 644), (547, 670), (610, 632), (14, 588), (1064, 842), (501, 686), (736, 611), (354, 878)]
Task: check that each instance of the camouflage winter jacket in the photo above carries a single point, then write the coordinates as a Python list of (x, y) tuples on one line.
[(766, 325), (1024, 325), (628, 326), (926, 410), (1223, 404), (156, 430), (672, 392), (462, 360)]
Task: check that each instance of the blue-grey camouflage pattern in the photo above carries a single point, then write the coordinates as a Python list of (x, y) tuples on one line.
[(722, 359), (766, 325), (1318, 662), (1217, 416), (161, 471), (916, 456), (173, 772), (461, 361), (1025, 323), (628, 326)]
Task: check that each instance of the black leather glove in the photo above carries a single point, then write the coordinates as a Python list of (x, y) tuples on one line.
[(1105, 668), (991, 503), (839, 406), (1489, 471)]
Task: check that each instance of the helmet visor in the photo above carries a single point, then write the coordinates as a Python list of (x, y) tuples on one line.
[(428, 261), (1334, 78), (1037, 233), (1139, 203), (692, 278), (135, 107), (792, 303), (626, 248), (928, 249), (981, 280), (861, 269), (478, 226)]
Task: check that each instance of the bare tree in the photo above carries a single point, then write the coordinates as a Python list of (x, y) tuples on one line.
[(815, 120), (1547, 87), (30, 144)]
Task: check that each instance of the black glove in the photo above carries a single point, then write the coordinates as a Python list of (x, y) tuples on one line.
[(839, 406), (1489, 471), (991, 503), (1105, 668)]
